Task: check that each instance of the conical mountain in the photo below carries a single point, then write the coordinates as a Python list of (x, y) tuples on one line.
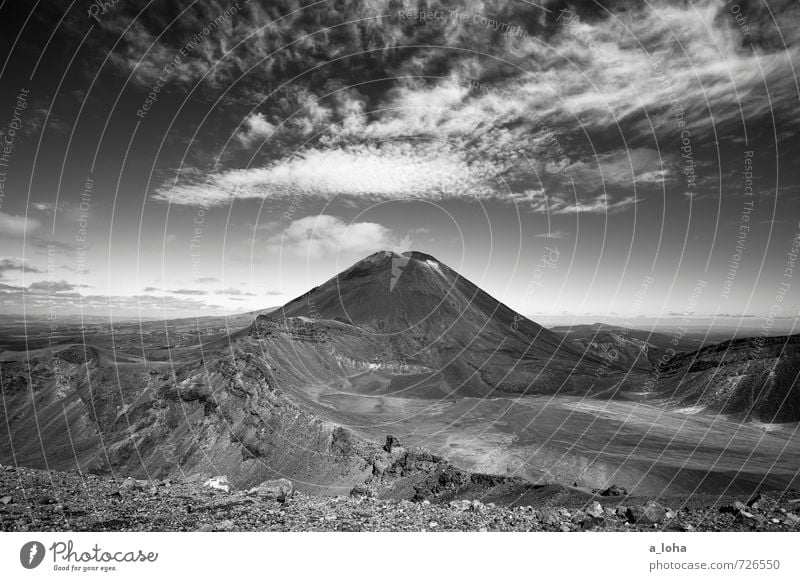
[(430, 315)]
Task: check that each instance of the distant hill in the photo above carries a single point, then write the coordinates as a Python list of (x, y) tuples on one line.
[(632, 348)]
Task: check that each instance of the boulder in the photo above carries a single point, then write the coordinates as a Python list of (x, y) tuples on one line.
[(391, 443), (360, 491), (550, 517), (755, 500), (279, 489), (648, 514), (461, 505), (132, 485), (734, 508), (591, 522), (744, 515), (218, 483), (379, 466), (614, 490), (595, 510)]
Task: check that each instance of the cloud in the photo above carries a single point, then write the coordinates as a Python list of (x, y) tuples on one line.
[(319, 236), (488, 115), (17, 226), (53, 286), (7, 264), (188, 292), (47, 207), (394, 171), (234, 292), (255, 128), (553, 234), (10, 288)]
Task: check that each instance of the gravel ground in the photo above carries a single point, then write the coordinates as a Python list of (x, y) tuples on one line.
[(56, 501)]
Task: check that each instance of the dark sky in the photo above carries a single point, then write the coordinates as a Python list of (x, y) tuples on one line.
[(575, 159)]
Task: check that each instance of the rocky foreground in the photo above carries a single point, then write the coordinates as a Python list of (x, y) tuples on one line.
[(36, 500)]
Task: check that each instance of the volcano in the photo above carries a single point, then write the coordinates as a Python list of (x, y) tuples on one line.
[(423, 313)]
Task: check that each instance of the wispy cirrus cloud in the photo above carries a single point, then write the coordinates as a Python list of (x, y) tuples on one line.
[(507, 113)]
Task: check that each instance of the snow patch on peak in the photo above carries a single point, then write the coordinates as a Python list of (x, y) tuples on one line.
[(435, 265)]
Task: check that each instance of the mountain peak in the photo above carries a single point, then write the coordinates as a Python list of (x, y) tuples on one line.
[(415, 254)]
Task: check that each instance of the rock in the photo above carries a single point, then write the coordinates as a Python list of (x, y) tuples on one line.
[(649, 514), (279, 489), (204, 528), (614, 490), (595, 516), (379, 466), (578, 517), (460, 505), (753, 502), (591, 522), (734, 508), (360, 491), (792, 518), (218, 483), (595, 510), (5, 500), (391, 443), (226, 525), (130, 485)]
